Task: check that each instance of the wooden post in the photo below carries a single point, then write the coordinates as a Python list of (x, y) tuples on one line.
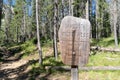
[(74, 68), (74, 73)]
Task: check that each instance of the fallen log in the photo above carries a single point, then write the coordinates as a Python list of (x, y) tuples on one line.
[(105, 49), (68, 68), (100, 68)]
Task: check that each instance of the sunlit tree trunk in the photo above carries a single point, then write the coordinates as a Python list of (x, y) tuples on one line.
[(23, 25), (87, 9), (1, 4), (71, 7), (97, 20), (7, 23), (24, 22), (115, 21), (63, 6), (55, 28), (38, 34)]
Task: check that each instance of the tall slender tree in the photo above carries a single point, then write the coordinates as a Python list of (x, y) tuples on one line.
[(63, 6), (55, 27), (115, 22), (71, 7), (1, 4), (38, 34), (113, 19), (97, 19), (87, 9)]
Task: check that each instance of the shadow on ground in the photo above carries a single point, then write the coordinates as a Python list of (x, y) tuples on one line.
[(35, 73)]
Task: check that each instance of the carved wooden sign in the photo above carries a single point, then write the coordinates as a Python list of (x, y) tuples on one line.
[(74, 37)]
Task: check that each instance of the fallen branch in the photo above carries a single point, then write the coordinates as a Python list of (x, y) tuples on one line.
[(105, 49), (68, 68), (101, 68)]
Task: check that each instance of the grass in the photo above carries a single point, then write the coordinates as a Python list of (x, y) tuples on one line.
[(104, 42), (104, 59), (28, 48), (99, 75)]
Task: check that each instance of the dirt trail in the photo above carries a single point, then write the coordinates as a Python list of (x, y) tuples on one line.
[(12, 66), (10, 69)]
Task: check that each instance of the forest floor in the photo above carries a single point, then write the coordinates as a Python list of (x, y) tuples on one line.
[(12, 67), (19, 67), (23, 64)]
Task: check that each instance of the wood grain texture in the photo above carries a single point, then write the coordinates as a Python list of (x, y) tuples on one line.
[(81, 41)]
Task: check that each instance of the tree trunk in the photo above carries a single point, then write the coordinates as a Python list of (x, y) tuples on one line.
[(115, 22), (23, 25), (55, 28), (17, 34), (97, 20), (1, 4), (7, 23), (38, 34), (87, 9), (71, 7), (63, 6), (24, 22)]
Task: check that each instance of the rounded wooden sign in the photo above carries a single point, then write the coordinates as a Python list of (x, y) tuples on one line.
[(74, 37)]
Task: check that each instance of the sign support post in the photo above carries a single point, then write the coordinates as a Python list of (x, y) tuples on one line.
[(74, 73), (74, 69)]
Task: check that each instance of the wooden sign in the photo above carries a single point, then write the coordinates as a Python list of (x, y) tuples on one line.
[(74, 37)]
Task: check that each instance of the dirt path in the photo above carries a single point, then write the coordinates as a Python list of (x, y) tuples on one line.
[(9, 70), (11, 67)]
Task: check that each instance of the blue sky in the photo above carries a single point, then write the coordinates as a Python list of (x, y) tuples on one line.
[(93, 7), (13, 2)]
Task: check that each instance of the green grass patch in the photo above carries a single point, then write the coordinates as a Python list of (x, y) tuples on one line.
[(104, 42), (99, 75), (28, 48), (51, 61), (104, 59)]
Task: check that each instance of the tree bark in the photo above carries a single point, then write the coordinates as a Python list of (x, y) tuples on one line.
[(71, 7), (38, 34), (55, 28), (24, 22), (1, 4), (97, 20), (7, 23), (63, 6), (115, 22), (87, 9)]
